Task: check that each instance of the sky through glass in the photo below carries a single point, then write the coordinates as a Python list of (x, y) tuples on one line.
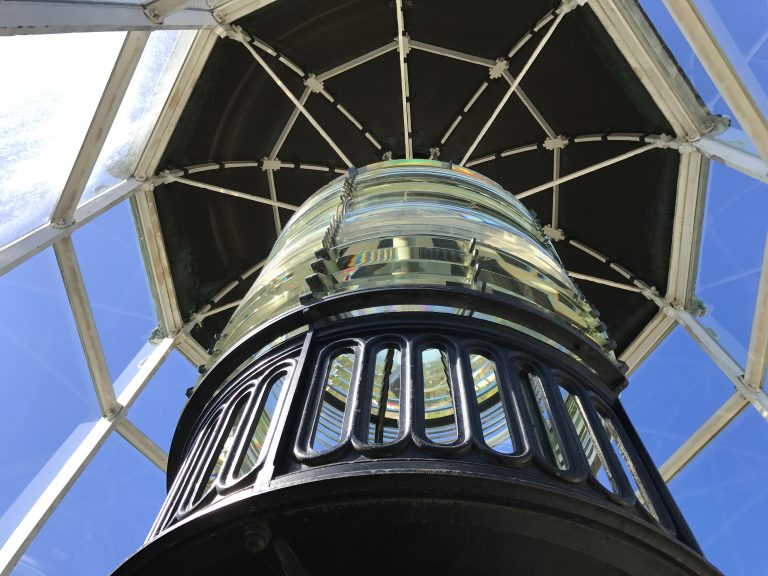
[(107, 514)]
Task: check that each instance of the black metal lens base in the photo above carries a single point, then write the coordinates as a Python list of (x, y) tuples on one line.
[(427, 520), (412, 441)]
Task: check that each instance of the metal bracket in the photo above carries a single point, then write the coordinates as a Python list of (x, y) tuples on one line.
[(497, 70), (315, 85), (270, 164), (556, 143)]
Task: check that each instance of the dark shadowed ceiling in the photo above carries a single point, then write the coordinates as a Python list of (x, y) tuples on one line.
[(580, 84)]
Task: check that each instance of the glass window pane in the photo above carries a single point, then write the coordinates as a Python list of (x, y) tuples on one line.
[(152, 81), (51, 86), (723, 496), (47, 391), (103, 519), (683, 53), (329, 427), (439, 409), (113, 270), (385, 398), (228, 442), (157, 410), (672, 393), (733, 239), (251, 455), (743, 36), (493, 419)]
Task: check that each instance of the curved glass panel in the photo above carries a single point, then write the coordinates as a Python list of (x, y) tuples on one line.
[(589, 443), (329, 427), (493, 419), (545, 432), (416, 222), (384, 423), (439, 407), (227, 445), (261, 427), (628, 466)]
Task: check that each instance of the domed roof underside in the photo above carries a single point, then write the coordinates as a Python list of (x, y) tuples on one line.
[(579, 85)]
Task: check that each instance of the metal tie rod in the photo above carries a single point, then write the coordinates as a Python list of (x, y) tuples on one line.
[(222, 190), (239, 35), (516, 82), (589, 169)]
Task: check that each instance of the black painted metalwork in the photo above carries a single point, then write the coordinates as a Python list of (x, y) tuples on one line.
[(562, 421), (441, 400), (564, 437)]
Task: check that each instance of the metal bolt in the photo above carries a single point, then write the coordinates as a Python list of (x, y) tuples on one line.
[(257, 538)]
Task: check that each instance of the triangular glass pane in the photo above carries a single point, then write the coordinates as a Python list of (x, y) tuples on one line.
[(743, 36), (51, 86)]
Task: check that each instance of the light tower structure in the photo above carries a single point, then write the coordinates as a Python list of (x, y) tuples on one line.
[(415, 249)]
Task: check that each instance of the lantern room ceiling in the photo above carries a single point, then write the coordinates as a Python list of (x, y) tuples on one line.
[(579, 103)]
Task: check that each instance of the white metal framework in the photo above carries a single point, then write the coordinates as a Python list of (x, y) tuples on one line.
[(696, 138)]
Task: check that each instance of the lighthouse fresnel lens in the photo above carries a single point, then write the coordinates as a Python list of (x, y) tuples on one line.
[(416, 250)]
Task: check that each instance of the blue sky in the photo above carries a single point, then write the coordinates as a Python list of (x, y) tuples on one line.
[(723, 493)]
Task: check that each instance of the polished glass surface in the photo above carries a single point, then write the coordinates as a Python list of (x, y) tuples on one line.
[(590, 445), (439, 406), (493, 418), (547, 436), (385, 397), (329, 428), (412, 222), (261, 427)]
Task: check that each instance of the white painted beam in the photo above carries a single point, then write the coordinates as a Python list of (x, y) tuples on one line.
[(648, 340), (588, 170), (192, 351), (13, 254), (634, 36), (143, 444), (178, 97), (171, 177), (101, 123), (692, 179), (156, 261), (86, 326), (699, 440), (720, 149), (233, 10), (723, 360), (31, 17), (721, 70), (757, 357), (513, 86), (402, 47), (66, 465)]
